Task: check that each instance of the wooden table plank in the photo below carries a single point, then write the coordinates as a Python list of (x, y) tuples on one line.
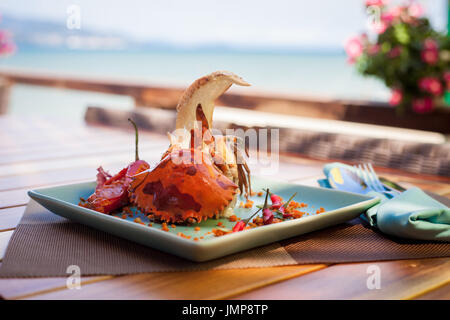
[(382, 171), (26, 287), (23, 143), (50, 146), (25, 140), (440, 293), (212, 284), (440, 188), (19, 197), (9, 218), (94, 162), (51, 177), (402, 279), (67, 153), (4, 240)]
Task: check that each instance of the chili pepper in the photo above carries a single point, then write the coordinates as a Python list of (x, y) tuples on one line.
[(267, 216), (276, 201), (283, 212), (240, 225)]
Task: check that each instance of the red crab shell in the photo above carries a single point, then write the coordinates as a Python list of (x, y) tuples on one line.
[(178, 191)]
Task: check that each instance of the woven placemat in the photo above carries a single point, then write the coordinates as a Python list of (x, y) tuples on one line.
[(45, 245)]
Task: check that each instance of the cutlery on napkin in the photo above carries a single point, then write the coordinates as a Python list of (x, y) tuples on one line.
[(411, 214)]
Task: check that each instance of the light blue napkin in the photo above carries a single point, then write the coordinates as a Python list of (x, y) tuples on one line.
[(412, 214)]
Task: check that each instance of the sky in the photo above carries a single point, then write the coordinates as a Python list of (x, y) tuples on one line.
[(243, 23)]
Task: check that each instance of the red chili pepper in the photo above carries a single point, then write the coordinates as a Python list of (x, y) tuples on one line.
[(275, 198), (267, 216), (239, 226), (276, 201)]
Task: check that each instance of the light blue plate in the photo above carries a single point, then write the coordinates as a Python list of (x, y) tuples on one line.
[(340, 206)]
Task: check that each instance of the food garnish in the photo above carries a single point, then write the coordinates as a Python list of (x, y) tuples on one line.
[(241, 224), (278, 211), (198, 177), (193, 182), (111, 192)]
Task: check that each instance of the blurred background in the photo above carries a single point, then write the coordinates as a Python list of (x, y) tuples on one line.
[(289, 47)]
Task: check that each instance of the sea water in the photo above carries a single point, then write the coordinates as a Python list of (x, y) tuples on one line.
[(322, 75)]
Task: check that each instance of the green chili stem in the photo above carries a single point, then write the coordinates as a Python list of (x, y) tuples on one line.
[(265, 205), (136, 139), (248, 219), (290, 199)]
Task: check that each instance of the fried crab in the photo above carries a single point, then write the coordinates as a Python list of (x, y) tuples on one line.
[(201, 174)]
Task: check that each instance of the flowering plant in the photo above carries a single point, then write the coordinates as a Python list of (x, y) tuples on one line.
[(408, 55), (7, 46)]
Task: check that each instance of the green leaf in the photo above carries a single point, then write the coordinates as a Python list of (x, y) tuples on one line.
[(401, 33)]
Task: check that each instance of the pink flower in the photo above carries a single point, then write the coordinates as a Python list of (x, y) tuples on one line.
[(446, 78), (430, 44), (430, 52), (435, 87), (387, 17), (354, 49), (415, 10), (430, 56), (424, 83), (431, 85), (396, 97), (422, 105), (6, 44), (379, 3)]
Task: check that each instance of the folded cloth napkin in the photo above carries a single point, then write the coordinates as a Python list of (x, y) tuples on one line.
[(411, 214)]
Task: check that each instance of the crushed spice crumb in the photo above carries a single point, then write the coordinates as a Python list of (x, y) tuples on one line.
[(137, 220)]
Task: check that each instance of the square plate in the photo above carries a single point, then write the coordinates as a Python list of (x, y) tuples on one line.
[(340, 206)]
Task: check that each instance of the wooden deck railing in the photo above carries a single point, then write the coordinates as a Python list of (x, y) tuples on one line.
[(147, 95)]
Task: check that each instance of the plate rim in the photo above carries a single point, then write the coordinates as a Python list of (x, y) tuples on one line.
[(37, 193)]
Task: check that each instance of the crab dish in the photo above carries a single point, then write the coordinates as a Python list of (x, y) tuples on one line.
[(200, 175)]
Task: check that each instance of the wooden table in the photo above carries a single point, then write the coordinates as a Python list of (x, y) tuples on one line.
[(38, 152)]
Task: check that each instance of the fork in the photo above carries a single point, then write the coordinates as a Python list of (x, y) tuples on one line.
[(367, 174)]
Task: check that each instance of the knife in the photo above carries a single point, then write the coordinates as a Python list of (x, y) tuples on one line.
[(391, 185)]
